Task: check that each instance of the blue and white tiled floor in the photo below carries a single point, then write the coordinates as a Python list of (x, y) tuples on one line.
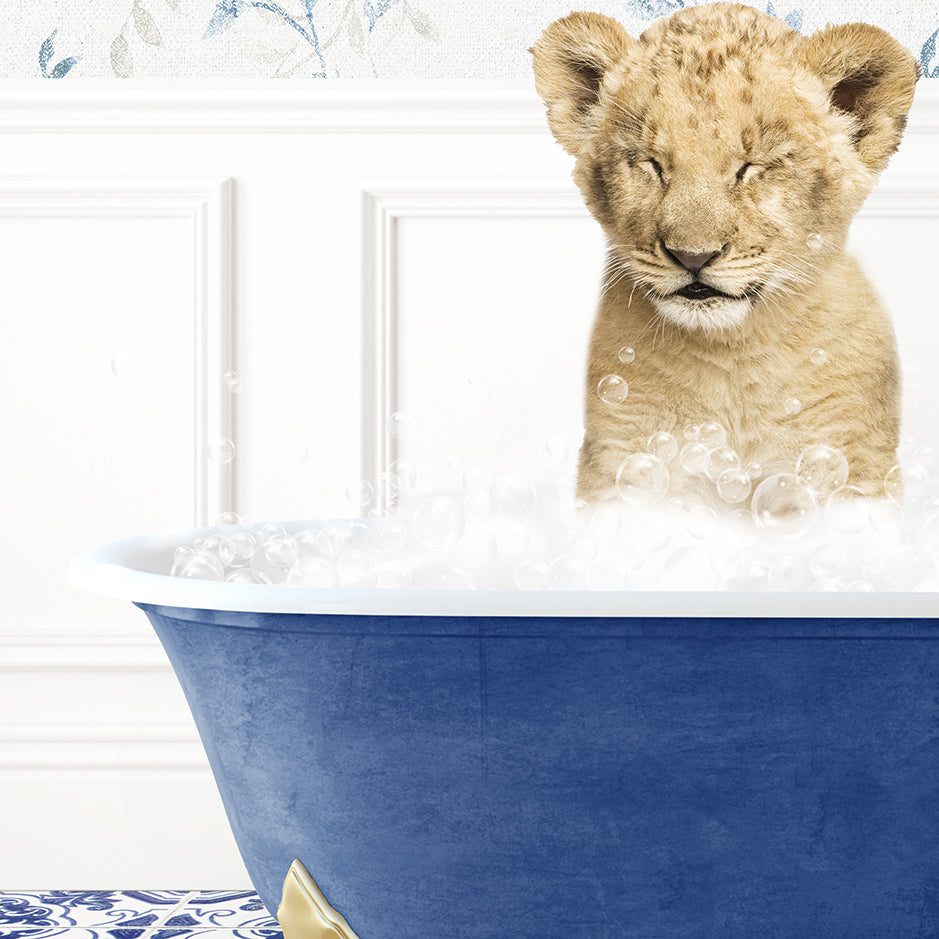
[(135, 914)]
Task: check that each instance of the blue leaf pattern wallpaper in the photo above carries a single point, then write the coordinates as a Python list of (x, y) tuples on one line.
[(454, 39)]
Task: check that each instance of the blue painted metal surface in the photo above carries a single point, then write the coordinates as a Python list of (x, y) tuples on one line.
[(647, 778)]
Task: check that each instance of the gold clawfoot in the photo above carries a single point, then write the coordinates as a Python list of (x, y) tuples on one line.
[(304, 913)]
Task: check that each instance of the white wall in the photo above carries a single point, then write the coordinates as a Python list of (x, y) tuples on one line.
[(349, 250)]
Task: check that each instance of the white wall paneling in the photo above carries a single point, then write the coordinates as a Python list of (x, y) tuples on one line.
[(351, 250)]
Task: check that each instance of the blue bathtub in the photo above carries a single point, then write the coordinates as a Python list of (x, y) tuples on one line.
[(657, 766)]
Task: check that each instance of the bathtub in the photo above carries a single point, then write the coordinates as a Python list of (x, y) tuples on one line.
[(447, 764)]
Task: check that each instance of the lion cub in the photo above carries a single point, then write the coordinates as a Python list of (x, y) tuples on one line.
[(725, 156)]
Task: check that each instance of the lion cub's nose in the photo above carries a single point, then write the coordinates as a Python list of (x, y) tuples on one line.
[(692, 260)]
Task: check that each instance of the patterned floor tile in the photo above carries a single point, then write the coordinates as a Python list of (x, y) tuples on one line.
[(127, 909), (228, 909), (272, 931)]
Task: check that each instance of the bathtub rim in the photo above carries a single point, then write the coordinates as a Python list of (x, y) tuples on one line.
[(129, 569)]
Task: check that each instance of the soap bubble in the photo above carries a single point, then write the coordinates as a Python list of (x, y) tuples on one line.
[(792, 405), (227, 519), (847, 511), (237, 548), (818, 357), (719, 461), (692, 432), (641, 479), (823, 468), (353, 567), (244, 575), (437, 521), (280, 551), (532, 574), (567, 572), (399, 425), (393, 574), (815, 241), (925, 456), (612, 389), (693, 457), (394, 537), (783, 505), (626, 355), (690, 568), (360, 493), (663, 445), (747, 573), (515, 494), (828, 562), (733, 485), (789, 573), (713, 435), (475, 553), (904, 569), (702, 522), (221, 450), (234, 383), (312, 572), (754, 469), (202, 565)]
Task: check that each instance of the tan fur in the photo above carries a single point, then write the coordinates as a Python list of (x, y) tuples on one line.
[(703, 93)]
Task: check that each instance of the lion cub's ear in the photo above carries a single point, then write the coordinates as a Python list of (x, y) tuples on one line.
[(571, 58), (870, 76)]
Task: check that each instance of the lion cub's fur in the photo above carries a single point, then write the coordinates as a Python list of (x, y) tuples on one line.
[(720, 130)]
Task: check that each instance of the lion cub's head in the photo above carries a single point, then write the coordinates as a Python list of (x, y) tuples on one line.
[(713, 146)]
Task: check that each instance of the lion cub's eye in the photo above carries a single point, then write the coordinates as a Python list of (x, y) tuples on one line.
[(744, 172), (656, 167)]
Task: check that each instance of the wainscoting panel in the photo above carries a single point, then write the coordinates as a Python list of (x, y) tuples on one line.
[(286, 267)]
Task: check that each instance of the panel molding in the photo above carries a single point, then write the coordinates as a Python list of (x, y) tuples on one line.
[(28, 748), (469, 106), (386, 202), (207, 204)]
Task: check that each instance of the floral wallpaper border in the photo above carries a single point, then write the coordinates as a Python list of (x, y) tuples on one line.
[(59, 39)]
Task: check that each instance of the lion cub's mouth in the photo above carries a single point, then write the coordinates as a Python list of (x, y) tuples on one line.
[(698, 291)]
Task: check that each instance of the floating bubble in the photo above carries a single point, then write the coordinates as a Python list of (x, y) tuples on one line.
[(823, 468), (280, 551), (693, 457), (733, 485), (719, 461), (228, 519), (221, 450), (201, 565), (818, 357), (754, 469), (925, 456), (904, 569), (399, 425), (360, 493), (437, 521), (641, 479), (747, 573), (312, 572), (353, 568), (663, 445), (567, 572), (690, 568), (692, 432), (515, 494), (702, 522), (234, 383), (789, 573), (475, 553), (783, 505), (239, 548), (847, 511), (393, 574), (815, 241), (626, 355), (244, 575), (792, 405), (893, 484), (532, 574), (394, 537), (713, 435), (828, 562), (612, 389)]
